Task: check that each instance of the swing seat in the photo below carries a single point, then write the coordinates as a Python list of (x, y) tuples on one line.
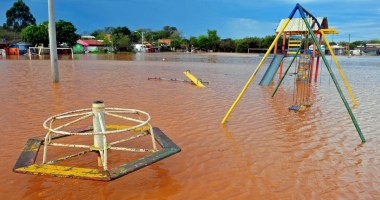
[(297, 108), (307, 103), (302, 108), (294, 107)]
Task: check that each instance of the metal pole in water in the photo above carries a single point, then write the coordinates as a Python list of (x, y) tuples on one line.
[(99, 125), (53, 43)]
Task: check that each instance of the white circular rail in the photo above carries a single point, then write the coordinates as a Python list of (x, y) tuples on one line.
[(82, 114)]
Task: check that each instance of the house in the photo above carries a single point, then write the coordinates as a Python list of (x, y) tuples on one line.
[(78, 48), (338, 50), (311, 47), (372, 49), (147, 48), (164, 42), (88, 45), (139, 48)]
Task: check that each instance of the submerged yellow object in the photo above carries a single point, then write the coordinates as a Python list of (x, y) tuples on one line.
[(118, 127), (64, 171), (26, 163), (195, 80)]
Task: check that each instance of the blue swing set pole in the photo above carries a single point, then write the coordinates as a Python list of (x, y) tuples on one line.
[(302, 12)]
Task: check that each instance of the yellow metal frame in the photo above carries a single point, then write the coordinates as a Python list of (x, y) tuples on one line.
[(333, 31), (303, 14), (119, 127), (255, 72), (323, 32), (194, 79), (26, 162), (64, 171)]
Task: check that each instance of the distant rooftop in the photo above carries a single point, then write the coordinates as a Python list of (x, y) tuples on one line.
[(87, 37), (90, 42)]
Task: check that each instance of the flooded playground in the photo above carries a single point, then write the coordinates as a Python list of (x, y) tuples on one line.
[(263, 151)]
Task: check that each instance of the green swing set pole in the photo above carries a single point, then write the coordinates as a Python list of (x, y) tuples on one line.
[(286, 71), (334, 80)]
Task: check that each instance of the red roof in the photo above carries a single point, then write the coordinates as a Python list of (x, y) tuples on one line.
[(94, 43), (90, 42)]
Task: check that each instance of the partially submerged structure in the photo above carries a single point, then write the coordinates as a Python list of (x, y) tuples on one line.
[(120, 148), (307, 29), (88, 45)]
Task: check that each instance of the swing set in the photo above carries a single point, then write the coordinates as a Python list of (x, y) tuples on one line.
[(298, 48)]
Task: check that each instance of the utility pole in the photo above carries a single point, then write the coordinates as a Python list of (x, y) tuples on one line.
[(142, 38), (53, 43), (349, 41)]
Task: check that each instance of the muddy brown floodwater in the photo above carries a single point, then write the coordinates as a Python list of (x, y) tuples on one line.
[(263, 152)]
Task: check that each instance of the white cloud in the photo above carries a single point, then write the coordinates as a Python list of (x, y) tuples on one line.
[(245, 27), (323, 1), (358, 30)]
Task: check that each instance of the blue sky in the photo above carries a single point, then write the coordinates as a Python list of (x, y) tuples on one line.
[(231, 18)]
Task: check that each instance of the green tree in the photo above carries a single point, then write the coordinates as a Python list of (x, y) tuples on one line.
[(135, 37), (353, 45), (163, 34), (151, 36), (373, 42), (169, 30), (19, 17), (97, 32), (121, 42), (66, 33), (242, 45), (203, 42), (213, 39), (227, 45), (176, 35), (105, 30), (253, 42), (36, 34), (175, 44), (185, 43), (39, 34), (99, 36), (267, 41), (122, 38), (123, 30), (193, 41), (125, 43), (343, 44)]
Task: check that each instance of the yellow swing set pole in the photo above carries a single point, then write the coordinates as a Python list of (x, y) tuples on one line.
[(255, 72), (322, 31)]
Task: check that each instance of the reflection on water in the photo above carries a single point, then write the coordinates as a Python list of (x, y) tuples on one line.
[(169, 57), (263, 152)]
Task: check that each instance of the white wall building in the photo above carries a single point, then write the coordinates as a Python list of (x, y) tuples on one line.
[(139, 48)]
